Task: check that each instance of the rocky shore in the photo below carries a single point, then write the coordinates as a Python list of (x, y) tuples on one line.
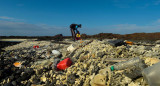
[(91, 61)]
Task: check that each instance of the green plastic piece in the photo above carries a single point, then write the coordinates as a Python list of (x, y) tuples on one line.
[(112, 68), (62, 59)]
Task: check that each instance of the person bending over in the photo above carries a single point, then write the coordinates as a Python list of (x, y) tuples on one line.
[(74, 31)]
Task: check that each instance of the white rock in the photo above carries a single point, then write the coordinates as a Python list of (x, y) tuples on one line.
[(126, 80), (99, 79), (133, 84), (157, 42), (43, 79)]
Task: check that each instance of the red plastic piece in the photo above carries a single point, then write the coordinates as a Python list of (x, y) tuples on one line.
[(62, 65), (36, 46)]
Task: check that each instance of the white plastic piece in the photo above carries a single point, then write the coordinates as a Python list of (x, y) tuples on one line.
[(70, 48), (56, 52)]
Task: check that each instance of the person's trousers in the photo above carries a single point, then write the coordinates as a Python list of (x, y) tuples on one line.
[(73, 34)]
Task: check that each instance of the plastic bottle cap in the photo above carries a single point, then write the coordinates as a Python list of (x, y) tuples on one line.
[(112, 68)]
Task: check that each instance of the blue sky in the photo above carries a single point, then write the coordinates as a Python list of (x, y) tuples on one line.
[(51, 17)]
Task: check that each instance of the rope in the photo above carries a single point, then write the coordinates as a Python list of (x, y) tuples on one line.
[(109, 75)]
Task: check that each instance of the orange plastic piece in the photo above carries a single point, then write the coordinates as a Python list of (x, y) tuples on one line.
[(62, 65), (17, 64), (81, 41), (129, 42)]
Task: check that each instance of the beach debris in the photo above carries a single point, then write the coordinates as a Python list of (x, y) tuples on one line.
[(71, 48), (62, 65), (129, 42), (35, 46), (116, 43), (127, 64), (18, 64), (152, 74), (56, 52)]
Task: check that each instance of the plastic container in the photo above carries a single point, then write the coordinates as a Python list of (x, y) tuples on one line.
[(152, 74), (126, 64), (62, 65), (78, 36)]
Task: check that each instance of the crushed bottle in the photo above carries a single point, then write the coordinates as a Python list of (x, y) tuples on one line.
[(152, 75), (55, 62), (137, 62)]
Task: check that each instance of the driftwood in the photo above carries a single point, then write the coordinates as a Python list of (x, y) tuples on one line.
[(145, 44), (71, 54)]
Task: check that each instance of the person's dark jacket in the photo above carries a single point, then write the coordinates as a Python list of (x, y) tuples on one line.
[(73, 26)]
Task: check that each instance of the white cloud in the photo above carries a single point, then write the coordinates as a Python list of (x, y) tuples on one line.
[(155, 23), (24, 29), (157, 2), (123, 3), (8, 28), (131, 28), (7, 18), (158, 20), (10, 18), (145, 5)]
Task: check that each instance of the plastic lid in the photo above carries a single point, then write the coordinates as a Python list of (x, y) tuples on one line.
[(61, 59), (112, 68)]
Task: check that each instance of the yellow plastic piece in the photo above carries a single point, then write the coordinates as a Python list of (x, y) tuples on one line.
[(78, 35)]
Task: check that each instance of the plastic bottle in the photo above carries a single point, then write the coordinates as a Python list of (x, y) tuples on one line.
[(126, 64), (55, 62), (152, 74)]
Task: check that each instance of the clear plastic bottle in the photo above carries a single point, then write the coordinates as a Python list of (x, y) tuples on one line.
[(55, 62), (152, 74), (126, 64)]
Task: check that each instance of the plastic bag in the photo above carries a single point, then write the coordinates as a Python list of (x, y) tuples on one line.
[(56, 52)]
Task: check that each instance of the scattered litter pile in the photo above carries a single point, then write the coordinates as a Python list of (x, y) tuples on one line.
[(80, 63)]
